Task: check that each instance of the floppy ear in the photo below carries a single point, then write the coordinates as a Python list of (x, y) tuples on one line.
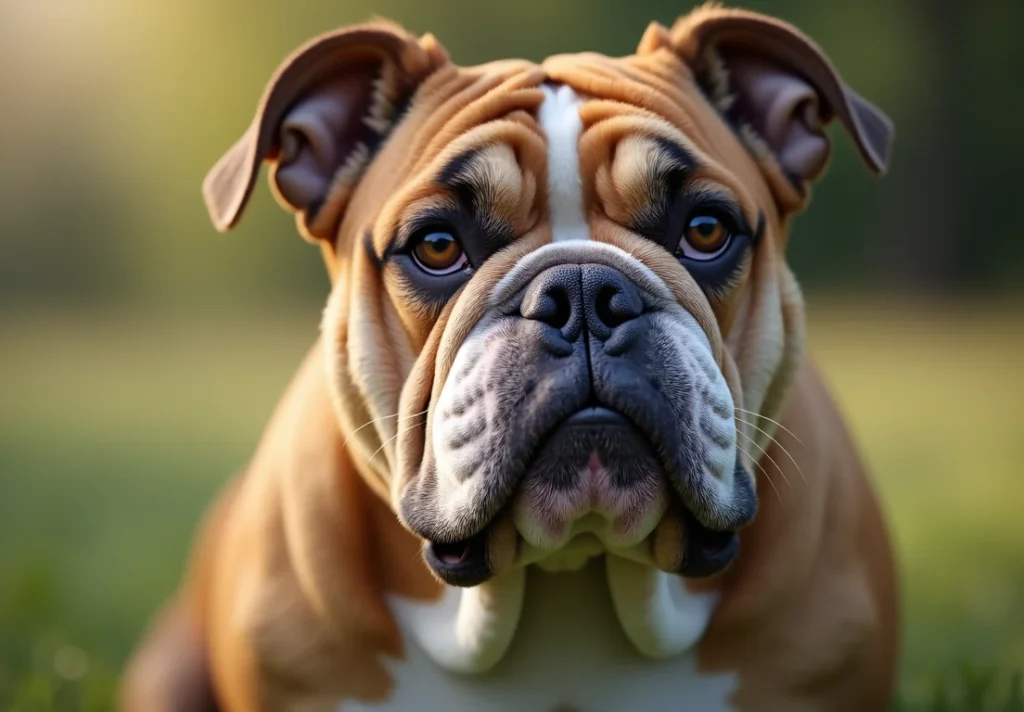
[(324, 112), (778, 90)]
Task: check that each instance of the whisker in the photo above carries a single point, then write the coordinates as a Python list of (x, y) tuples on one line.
[(393, 437), (773, 422), (383, 417), (763, 471), (781, 447), (765, 453)]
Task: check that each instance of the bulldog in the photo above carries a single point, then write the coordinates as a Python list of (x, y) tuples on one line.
[(558, 446)]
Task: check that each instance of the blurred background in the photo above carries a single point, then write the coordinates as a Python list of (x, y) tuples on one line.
[(141, 353)]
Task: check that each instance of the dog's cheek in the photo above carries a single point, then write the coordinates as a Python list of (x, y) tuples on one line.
[(351, 409), (459, 417), (676, 372), (766, 342), (414, 451)]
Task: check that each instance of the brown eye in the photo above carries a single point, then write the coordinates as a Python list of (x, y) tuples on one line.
[(705, 238), (438, 252)]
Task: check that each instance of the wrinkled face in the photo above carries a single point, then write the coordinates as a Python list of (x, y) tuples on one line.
[(560, 278), (561, 321)]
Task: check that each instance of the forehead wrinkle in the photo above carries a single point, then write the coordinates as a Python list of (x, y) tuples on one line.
[(662, 87), (525, 151), (616, 82), (635, 171), (488, 181), (491, 99), (707, 173)]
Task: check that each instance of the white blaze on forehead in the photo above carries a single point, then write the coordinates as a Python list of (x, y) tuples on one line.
[(559, 116)]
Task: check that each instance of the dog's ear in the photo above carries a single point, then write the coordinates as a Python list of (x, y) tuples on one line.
[(778, 90), (324, 112)]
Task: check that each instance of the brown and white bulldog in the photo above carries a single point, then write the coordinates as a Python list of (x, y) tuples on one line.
[(558, 446)]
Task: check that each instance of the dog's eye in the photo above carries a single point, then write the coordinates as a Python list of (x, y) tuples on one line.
[(438, 252), (704, 238)]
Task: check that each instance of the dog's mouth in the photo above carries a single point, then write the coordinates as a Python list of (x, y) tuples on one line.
[(465, 563), (706, 552), (462, 563), (595, 478)]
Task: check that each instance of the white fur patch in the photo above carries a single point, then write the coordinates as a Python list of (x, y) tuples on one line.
[(659, 615), (569, 650), (559, 116), (469, 629)]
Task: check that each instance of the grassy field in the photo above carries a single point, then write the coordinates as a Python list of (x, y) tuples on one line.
[(115, 430)]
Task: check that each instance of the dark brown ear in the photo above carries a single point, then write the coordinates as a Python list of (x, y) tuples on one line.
[(323, 113), (779, 91)]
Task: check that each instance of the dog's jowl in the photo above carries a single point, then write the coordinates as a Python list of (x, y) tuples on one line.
[(529, 463)]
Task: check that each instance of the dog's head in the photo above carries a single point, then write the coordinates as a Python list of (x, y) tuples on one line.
[(561, 321)]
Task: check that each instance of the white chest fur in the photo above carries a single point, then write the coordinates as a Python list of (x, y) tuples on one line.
[(569, 652)]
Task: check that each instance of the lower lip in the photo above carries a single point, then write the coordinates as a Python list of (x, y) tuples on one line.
[(596, 416)]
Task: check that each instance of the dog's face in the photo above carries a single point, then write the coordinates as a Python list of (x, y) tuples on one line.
[(561, 321)]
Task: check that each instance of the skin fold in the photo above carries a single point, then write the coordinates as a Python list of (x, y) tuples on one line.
[(559, 445)]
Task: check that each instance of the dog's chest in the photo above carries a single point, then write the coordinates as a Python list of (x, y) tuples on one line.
[(569, 653)]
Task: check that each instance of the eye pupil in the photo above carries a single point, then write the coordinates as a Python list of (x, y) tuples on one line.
[(705, 235), (439, 242), (438, 253)]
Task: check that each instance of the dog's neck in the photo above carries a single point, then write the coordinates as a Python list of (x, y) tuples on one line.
[(470, 630), (566, 638)]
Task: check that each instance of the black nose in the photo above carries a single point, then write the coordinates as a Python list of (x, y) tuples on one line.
[(609, 298), (572, 297)]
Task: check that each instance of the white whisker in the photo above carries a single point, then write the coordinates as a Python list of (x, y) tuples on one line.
[(392, 438), (383, 417), (763, 471), (780, 447), (773, 422), (765, 453)]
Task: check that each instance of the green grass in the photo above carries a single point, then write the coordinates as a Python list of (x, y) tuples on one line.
[(116, 430)]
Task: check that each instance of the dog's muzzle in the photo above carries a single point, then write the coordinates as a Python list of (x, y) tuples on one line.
[(586, 411)]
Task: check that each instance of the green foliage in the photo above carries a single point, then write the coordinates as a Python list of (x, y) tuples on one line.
[(971, 688)]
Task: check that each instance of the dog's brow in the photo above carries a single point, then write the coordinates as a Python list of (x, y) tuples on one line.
[(470, 186), (478, 190), (759, 230), (371, 251), (456, 172), (678, 154)]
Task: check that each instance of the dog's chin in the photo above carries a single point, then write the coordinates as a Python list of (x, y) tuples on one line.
[(594, 479), (595, 487)]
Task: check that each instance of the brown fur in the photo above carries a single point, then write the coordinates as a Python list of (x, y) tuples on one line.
[(284, 605)]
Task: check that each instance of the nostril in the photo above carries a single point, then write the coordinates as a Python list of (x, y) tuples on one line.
[(562, 311), (552, 307), (613, 307)]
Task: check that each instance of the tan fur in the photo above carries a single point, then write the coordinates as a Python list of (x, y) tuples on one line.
[(284, 608)]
